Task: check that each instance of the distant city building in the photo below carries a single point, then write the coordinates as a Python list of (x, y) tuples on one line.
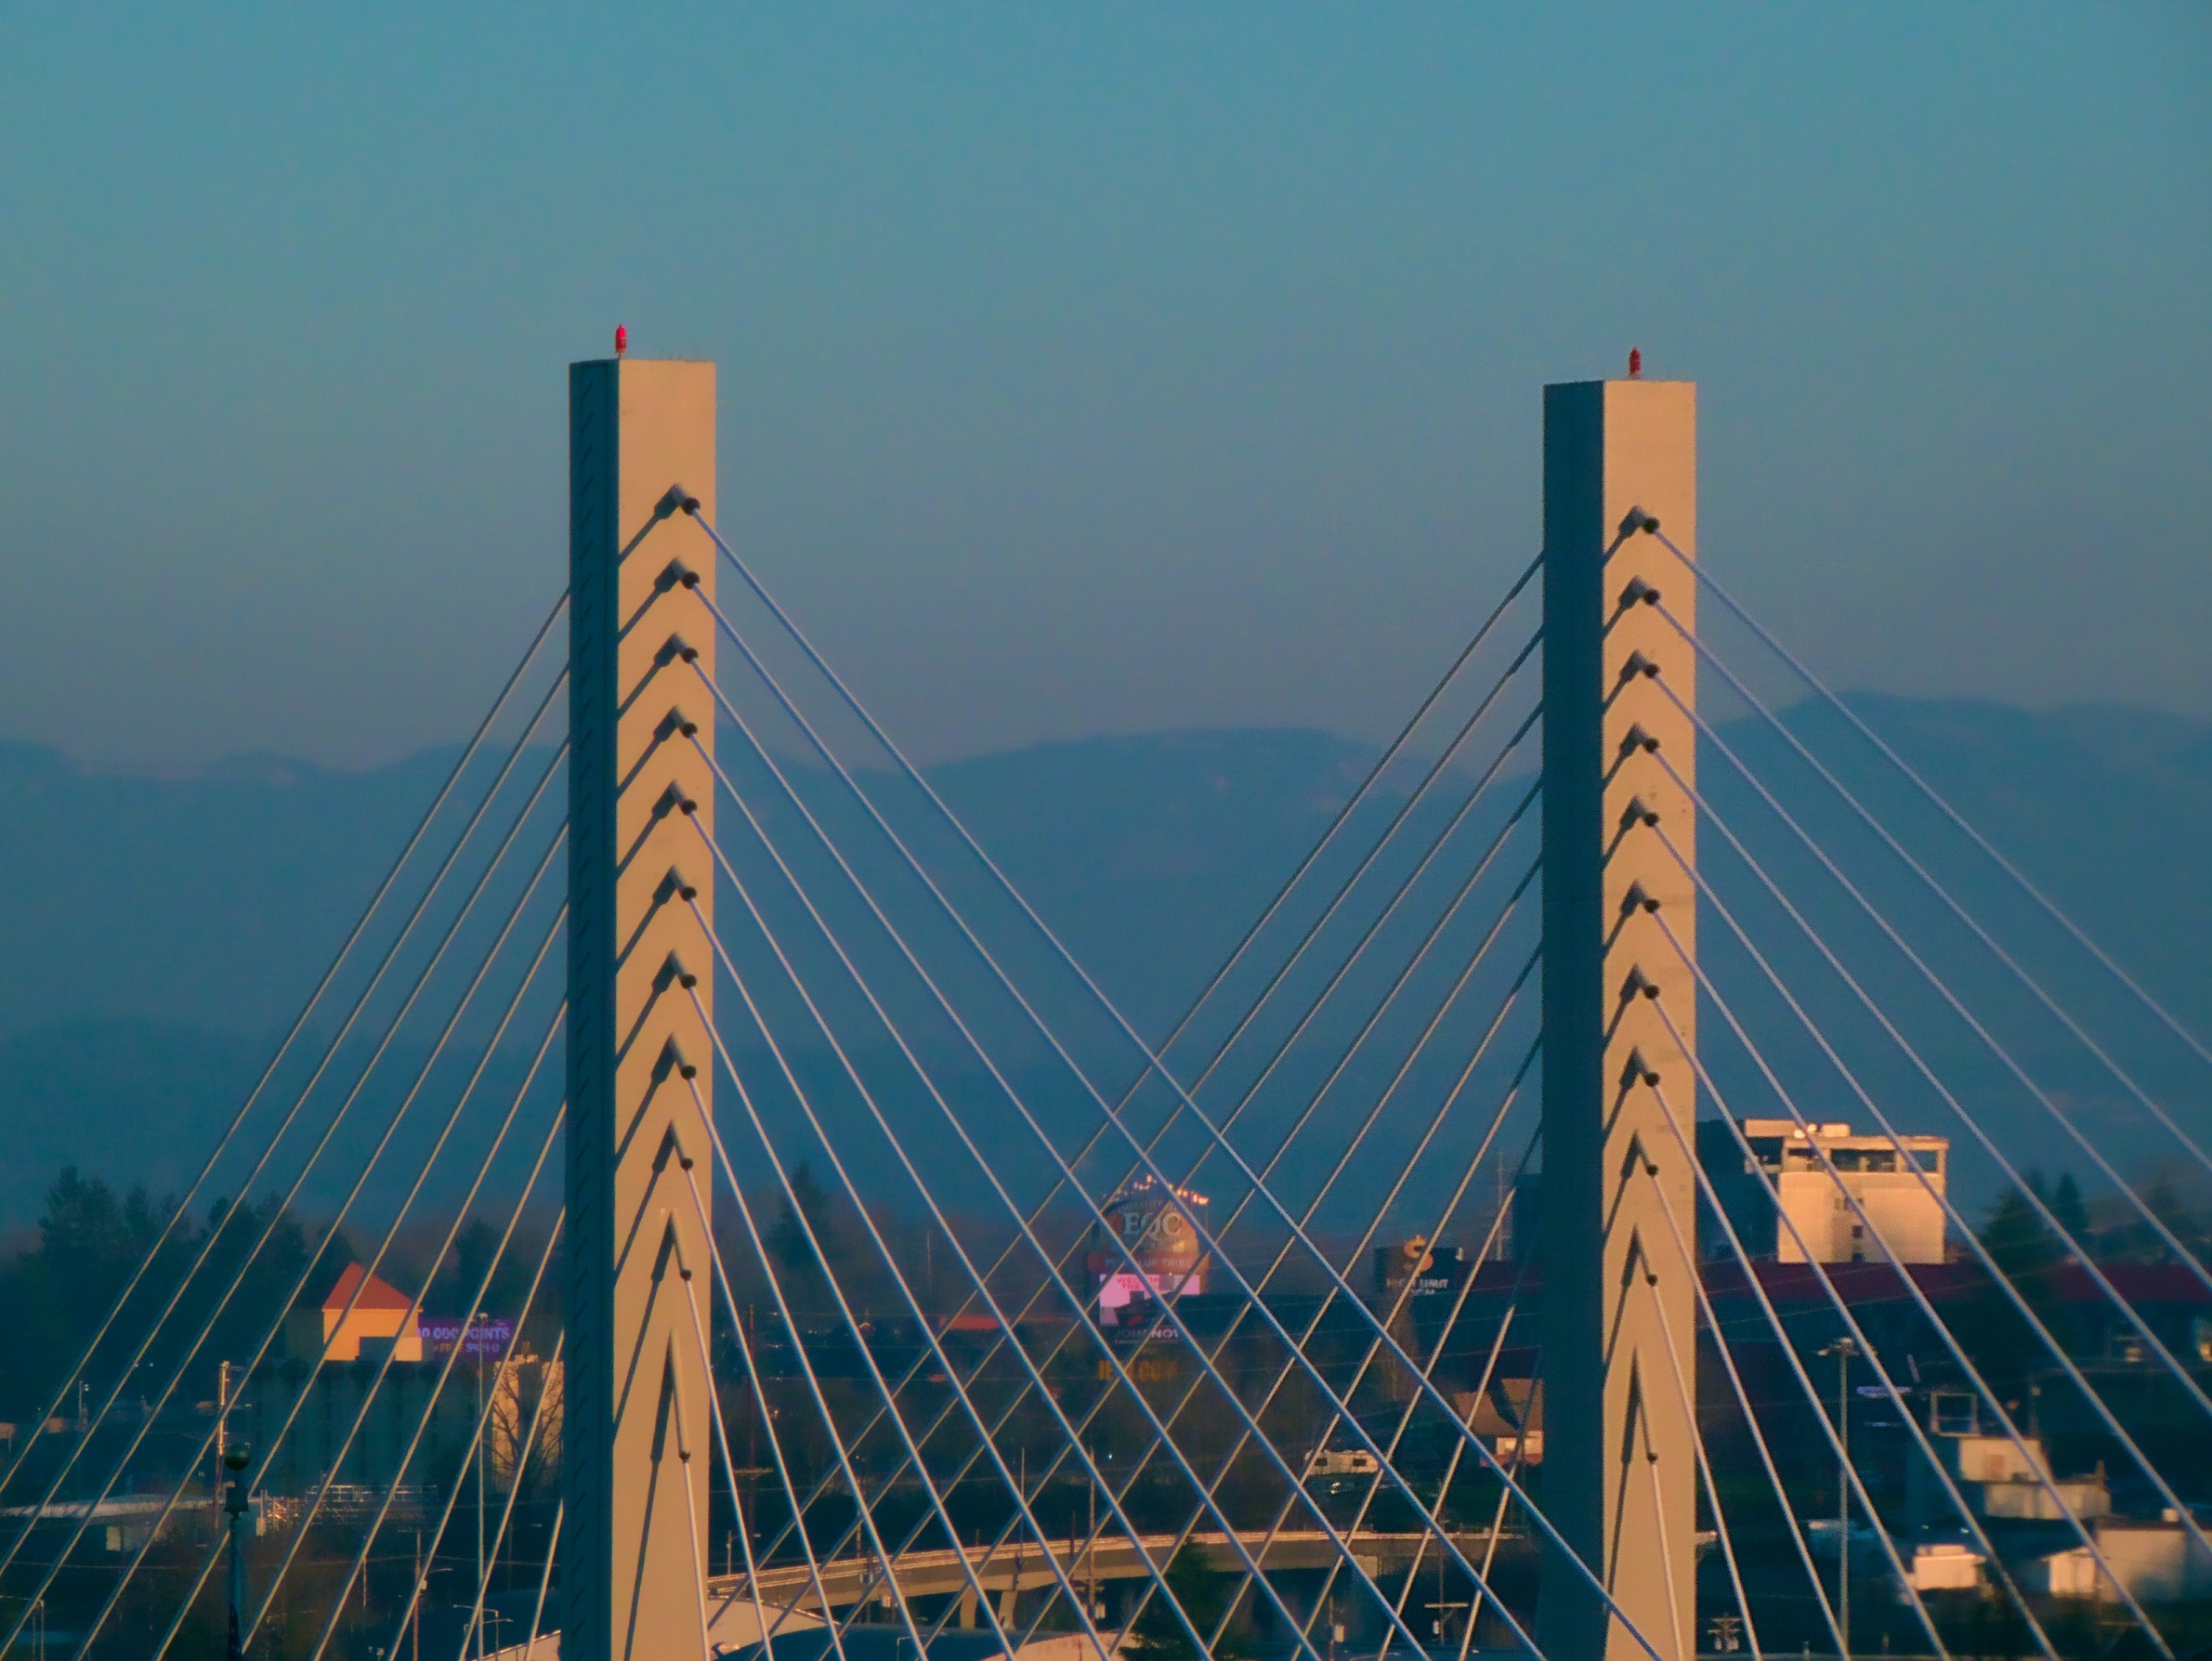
[(1149, 1223), (382, 1318), (1999, 1480), (1801, 1194), (1427, 1269)]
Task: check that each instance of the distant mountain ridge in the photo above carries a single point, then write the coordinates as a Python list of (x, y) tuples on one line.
[(154, 933)]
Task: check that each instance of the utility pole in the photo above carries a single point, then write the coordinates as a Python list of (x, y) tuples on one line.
[(1844, 1348), (475, 1331), (235, 1461), (222, 1420)]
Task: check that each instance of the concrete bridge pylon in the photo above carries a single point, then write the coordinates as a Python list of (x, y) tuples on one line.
[(1619, 1011), (639, 1183)]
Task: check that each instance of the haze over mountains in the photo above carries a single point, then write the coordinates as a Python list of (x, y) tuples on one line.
[(156, 932)]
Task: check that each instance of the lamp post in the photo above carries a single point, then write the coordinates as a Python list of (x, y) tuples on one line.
[(235, 1461), (1844, 1348)]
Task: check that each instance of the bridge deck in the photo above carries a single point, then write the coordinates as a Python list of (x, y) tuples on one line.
[(847, 1580)]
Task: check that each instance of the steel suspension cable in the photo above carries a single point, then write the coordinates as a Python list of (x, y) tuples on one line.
[(2048, 907), (1688, 1398), (1774, 1318), (776, 1453), (1051, 1152), (775, 1444), (1375, 774), (506, 1515), (2003, 1282), (829, 1033), (1366, 1239), (299, 1021), (1858, 1208), (760, 1247), (1161, 1131), (961, 1132), (1869, 1352), (1014, 1097), (1445, 1331), (1221, 1052), (452, 1229), (1766, 1457), (706, 1363), (207, 1244), (268, 1453), (278, 1211), (1152, 1060), (1449, 1208), (1958, 1007), (445, 1247), (1950, 903), (215, 1551), (898, 1151), (1083, 1426), (453, 1499)]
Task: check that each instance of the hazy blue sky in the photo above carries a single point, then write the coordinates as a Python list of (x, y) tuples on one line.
[(1086, 368)]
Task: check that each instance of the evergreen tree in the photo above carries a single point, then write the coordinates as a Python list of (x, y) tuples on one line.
[(2066, 1205), (1205, 1594)]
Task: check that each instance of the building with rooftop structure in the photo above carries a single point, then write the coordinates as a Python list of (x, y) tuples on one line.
[(1821, 1194)]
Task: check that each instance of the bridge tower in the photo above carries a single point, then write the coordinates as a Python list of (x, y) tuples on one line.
[(1619, 1478), (638, 1423)]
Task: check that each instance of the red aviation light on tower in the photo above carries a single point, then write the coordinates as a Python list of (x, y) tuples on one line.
[(1635, 361), (621, 340)]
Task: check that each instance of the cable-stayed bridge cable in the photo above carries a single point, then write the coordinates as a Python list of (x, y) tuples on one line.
[(2004, 1283), (1958, 1007), (1015, 1099), (1312, 1325), (208, 1245), (1871, 1355), (1405, 887), (299, 1021), (2043, 901), (1797, 1366), (459, 1212), (1919, 1298), (1449, 1208), (2158, 1113), (1343, 890), (760, 1247), (1153, 1063), (1365, 863), (329, 1232), (545, 1257), (899, 1150), (744, 992)]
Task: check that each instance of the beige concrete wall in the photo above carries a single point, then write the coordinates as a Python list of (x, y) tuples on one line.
[(636, 1425), (1903, 1222)]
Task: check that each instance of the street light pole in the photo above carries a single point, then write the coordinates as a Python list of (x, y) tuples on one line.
[(235, 1461), (1844, 1348)]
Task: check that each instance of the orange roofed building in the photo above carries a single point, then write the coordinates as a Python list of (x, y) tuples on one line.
[(382, 1318)]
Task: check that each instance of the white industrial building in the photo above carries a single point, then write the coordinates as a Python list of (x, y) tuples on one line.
[(1818, 1193)]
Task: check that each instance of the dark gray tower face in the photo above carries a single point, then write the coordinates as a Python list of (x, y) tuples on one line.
[(1618, 1193), (640, 1075)]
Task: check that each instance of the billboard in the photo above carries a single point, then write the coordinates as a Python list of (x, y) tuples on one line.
[(486, 1338), (1152, 1251)]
